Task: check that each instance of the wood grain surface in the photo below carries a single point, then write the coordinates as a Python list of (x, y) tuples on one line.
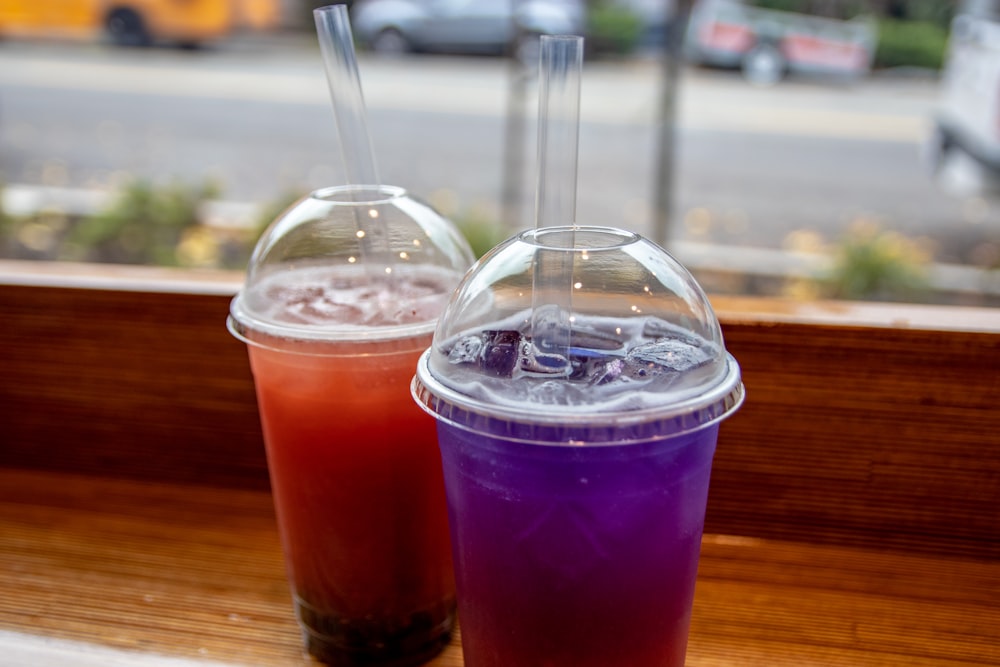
[(854, 514), (195, 572)]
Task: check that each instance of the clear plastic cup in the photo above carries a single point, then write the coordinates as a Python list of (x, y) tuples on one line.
[(577, 442), (334, 321)]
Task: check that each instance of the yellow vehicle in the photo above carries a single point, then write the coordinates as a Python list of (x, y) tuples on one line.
[(136, 22)]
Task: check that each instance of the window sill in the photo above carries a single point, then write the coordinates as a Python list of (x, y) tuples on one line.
[(852, 517)]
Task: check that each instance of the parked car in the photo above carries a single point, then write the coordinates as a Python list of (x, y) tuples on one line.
[(464, 26), (767, 44), (965, 142)]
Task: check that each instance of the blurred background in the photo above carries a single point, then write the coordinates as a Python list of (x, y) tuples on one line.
[(802, 148)]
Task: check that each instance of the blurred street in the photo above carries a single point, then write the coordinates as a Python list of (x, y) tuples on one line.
[(756, 166)]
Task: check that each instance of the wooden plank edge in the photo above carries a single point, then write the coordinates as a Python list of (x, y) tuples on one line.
[(730, 309)]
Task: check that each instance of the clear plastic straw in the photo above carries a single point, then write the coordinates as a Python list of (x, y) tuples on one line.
[(333, 24), (559, 74), (337, 45), (560, 67)]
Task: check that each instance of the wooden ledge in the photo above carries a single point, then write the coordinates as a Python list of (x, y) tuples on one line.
[(730, 309), (853, 516), (195, 572), (913, 317), (119, 277)]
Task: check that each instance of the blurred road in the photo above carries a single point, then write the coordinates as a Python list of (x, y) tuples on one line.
[(754, 165)]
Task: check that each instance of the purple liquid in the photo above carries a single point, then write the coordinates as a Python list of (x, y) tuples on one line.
[(575, 556)]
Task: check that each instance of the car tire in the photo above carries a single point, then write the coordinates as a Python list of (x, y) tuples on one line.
[(960, 175), (390, 42), (764, 64), (125, 27)]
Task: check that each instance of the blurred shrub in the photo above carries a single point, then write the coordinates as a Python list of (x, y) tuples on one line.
[(782, 5), (939, 12), (5, 220), (144, 225), (873, 263), (612, 28), (481, 232), (910, 44), (838, 9), (35, 237)]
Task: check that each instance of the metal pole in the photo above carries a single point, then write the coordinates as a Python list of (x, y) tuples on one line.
[(665, 171), (512, 186)]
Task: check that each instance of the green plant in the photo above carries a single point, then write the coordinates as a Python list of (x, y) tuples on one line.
[(873, 263), (36, 236), (781, 5), (6, 221), (910, 44), (481, 232), (233, 250), (837, 9), (8, 228), (939, 12), (613, 28), (144, 225)]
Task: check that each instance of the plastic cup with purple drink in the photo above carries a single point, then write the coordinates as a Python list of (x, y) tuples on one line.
[(578, 377)]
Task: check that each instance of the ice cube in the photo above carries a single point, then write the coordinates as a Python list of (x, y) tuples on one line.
[(549, 329), (666, 355), (656, 329), (607, 371), (502, 353), (594, 344), (500, 356), (536, 362), (467, 350), (314, 306)]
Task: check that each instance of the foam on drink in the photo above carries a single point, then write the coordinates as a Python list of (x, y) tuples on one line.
[(608, 361), (312, 301)]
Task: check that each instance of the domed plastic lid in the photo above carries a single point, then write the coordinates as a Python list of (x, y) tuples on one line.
[(576, 325), (350, 262)]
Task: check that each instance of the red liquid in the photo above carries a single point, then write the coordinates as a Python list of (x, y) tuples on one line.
[(356, 477)]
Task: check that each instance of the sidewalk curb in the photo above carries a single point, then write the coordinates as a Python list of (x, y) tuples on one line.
[(25, 200), (769, 263)]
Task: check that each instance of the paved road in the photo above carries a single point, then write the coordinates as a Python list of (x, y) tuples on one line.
[(755, 165)]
